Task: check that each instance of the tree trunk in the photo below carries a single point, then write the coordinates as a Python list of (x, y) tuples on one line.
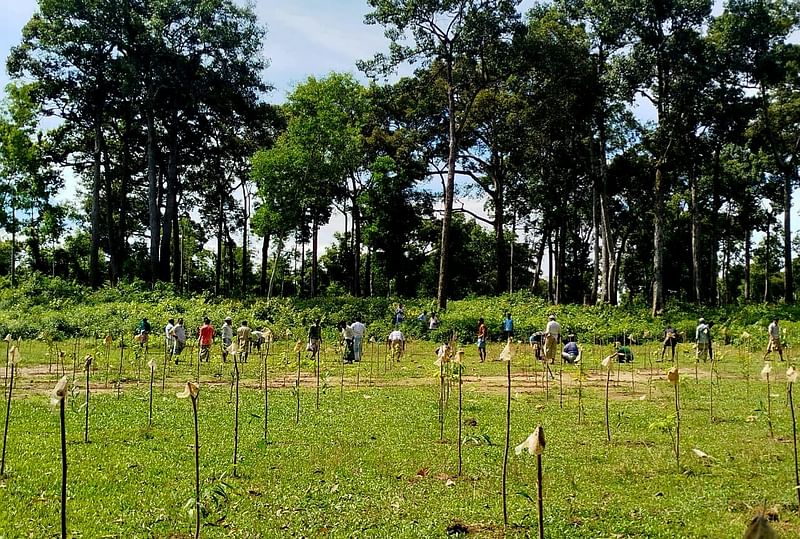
[(124, 186), (766, 266), (696, 275), (262, 285), (275, 269), (539, 259), (714, 229), (152, 196), (747, 291), (356, 247), (245, 246), (788, 281), (177, 251), (368, 271), (94, 253), (502, 283), (444, 251), (314, 238), (596, 246), (13, 241), (111, 233), (220, 245), (550, 292), (658, 242), (170, 207)]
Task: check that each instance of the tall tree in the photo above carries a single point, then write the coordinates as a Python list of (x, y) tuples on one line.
[(447, 35), (664, 61)]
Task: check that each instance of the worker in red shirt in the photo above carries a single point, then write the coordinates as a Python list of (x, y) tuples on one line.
[(205, 339)]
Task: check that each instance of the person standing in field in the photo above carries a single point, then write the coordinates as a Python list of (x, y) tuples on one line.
[(670, 340), (359, 330), (702, 336), (399, 314), (508, 326), (314, 337), (552, 335), (483, 334), (179, 339), (348, 353), (205, 339), (168, 338), (774, 344), (227, 337), (243, 340), (433, 323), (143, 331)]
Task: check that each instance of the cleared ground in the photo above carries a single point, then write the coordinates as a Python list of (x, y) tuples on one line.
[(369, 461)]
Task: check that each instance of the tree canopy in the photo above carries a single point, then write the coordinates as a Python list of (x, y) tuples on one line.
[(587, 151)]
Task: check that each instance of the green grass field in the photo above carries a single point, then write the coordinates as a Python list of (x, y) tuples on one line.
[(369, 461)]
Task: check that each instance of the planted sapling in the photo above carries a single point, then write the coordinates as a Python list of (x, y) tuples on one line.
[(13, 360), (192, 391), (59, 398)]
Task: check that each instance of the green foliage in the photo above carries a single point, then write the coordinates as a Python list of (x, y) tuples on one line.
[(52, 308)]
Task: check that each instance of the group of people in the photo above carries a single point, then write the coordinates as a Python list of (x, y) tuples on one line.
[(352, 338), (430, 323), (545, 344), (176, 336)]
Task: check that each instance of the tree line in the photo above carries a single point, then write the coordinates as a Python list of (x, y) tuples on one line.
[(163, 117)]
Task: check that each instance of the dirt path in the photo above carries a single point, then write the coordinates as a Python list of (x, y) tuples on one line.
[(40, 380)]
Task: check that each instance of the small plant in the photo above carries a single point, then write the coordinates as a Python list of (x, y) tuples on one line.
[(759, 528), (607, 365), (442, 359), (269, 338), (233, 350), (108, 340), (13, 360), (88, 367), (673, 377), (535, 446), (507, 355), (765, 372), (298, 347), (459, 365), (791, 377), (59, 398), (152, 366), (8, 340), (192, 391)]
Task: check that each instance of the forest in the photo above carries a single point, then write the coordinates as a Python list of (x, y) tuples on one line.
[(623, 151)]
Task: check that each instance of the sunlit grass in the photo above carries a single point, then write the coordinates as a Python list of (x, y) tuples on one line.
[(369, 462)]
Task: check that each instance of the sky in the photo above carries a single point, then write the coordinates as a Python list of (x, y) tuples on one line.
[(304, 38)]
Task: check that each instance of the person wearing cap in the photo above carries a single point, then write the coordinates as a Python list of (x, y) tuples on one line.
[(227, 337), (552, 334), (243, 340), (670, 341), (774, 344), (178, 334), (703, 339)]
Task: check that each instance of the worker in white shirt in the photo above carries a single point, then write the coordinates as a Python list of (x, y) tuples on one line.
[(552, 335)]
